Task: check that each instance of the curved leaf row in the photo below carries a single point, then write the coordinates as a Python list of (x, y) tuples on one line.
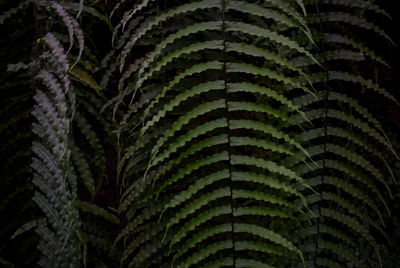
[(57, 159), (88, 142), (201, 159), (90, 145), (346, 141), (56, 186)]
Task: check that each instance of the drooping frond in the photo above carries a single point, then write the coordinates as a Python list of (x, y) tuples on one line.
[(347, 141), (53, 176), (207, 145)]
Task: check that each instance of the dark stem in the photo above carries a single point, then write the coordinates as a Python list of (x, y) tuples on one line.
[(325, 125), (36, 28), (229, 134)]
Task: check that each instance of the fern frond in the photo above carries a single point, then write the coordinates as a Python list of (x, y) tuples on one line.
[(347, 141), (72, 26), (55, 181), (96, 210), (216, 151)]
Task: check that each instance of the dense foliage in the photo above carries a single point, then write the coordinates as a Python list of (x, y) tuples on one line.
[(198, 133)]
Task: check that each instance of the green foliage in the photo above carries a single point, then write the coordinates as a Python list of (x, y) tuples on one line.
[(347, 142), (198, 133)]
